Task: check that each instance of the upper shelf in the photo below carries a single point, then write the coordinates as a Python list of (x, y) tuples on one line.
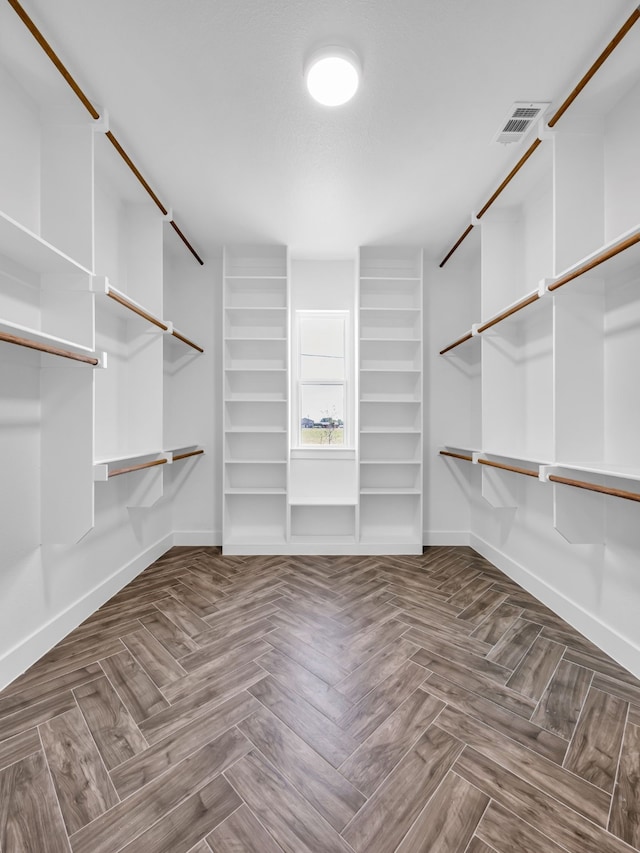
[(610, 260), (32, 252)]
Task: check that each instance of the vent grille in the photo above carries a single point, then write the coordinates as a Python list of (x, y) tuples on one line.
[(519, 120), (516, 125)]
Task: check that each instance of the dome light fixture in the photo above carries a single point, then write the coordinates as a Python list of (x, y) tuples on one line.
[(332, 75)]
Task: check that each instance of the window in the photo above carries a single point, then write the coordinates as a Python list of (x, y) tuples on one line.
[(322, 402)]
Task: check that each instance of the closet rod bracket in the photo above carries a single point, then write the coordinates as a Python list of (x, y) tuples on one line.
[(101, 124)]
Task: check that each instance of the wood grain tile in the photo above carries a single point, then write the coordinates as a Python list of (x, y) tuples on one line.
[(497, 622), (317, 730), (561, 703), (233, 638), (602, 665), (81, 781), (30, 818), (506, 833), (201, 702), (391, 698), (476, 682), (324, 667), (317, 692), (116, 735), (510, 725), (212, 667), (18, 747), (133, 816), (387, 816), (199, 604), (514, 643), (164, 754), (36, 714), (374, 760), (153, 657), (137, 691), (566, 827), (189, 822), (471, 591), (595, 748), (241, 832), (182, 616), (286, 815), (174, 639), (448, 821), (321, 785), (63, 660), (12, 702), (546, 776), (536, 668), (371, 711), (484, 604), (362, 680), (625, 809), (616, 688)]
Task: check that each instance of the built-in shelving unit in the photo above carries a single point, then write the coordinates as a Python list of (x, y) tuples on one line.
[(82, 333), (390, 383), (556, 344), (255, 398)]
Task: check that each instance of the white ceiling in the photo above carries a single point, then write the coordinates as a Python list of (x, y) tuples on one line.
[(207, 96)]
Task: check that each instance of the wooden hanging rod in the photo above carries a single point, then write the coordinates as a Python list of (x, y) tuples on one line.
[(514, 468), (510, 311), (187, 455), (125, 302), (186, 341), (456, 455), (95, 115), (63, 353), (615, 41), (139, 467), (594, 262), (457, 343), (565, 279), (593, 487)]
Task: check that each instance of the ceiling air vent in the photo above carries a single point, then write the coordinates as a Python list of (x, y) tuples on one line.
[(520, 119)]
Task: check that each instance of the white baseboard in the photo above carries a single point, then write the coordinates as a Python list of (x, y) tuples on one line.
[(208, 538), (604, 636), (20, 657), (446, 537)]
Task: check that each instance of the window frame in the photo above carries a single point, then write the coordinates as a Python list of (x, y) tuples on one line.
[(298, 383)]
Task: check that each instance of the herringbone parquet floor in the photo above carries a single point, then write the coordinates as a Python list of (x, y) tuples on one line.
[(316, 704)]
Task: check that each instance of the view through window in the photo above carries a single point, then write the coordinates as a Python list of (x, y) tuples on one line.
[(322, 378)]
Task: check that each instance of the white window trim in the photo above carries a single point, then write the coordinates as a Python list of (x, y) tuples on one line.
[(347, 383)]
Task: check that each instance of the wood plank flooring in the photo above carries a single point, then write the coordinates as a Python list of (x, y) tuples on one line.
[(321, 705)]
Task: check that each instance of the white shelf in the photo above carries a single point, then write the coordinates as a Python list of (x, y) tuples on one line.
[(32, 252), (390, 462), (255, 430), (255, 461), (390, 431), (622, 472), (324, 500), (266, 490), (48, 340), (389, 491)]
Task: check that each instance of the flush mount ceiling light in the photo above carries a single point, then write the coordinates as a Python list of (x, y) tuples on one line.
[(332, 75)]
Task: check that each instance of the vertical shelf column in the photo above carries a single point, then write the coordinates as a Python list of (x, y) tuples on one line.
[(256, 390), (390, 321)]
